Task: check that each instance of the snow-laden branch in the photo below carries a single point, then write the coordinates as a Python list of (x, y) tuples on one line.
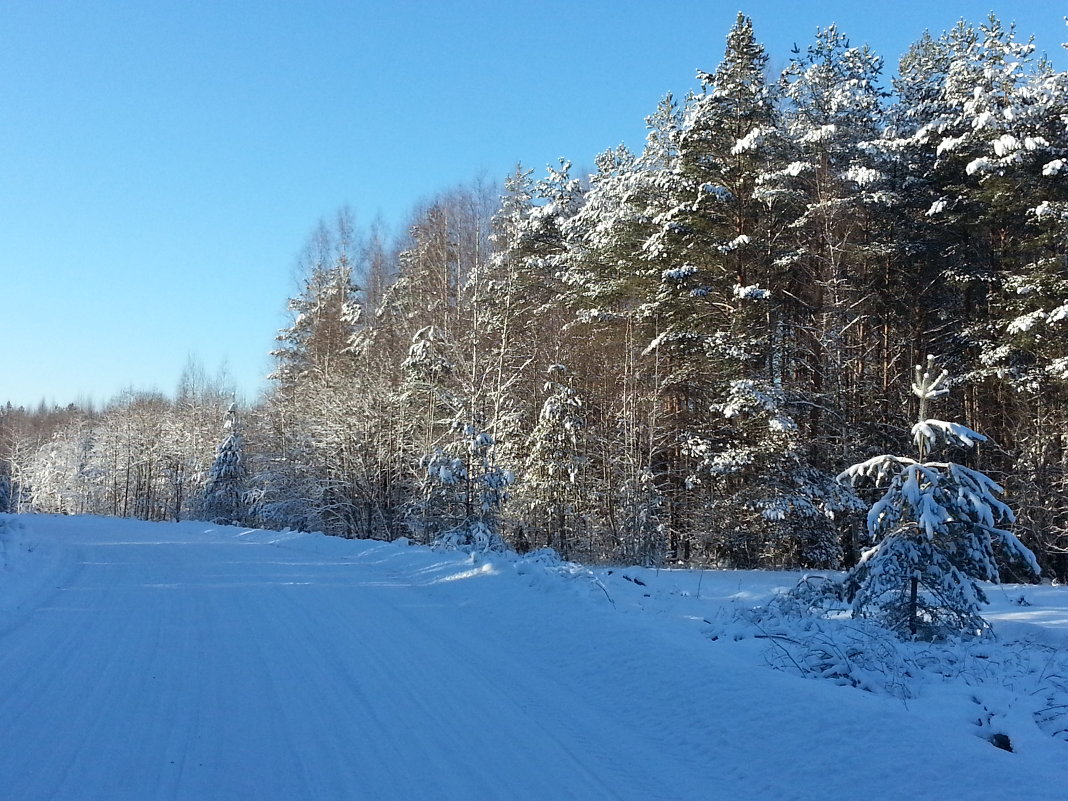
[(931, 434)]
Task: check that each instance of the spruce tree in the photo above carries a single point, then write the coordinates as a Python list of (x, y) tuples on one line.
[(224, 492), (555, 460)]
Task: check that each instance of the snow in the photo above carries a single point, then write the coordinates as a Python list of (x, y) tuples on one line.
[(1005, 144), (935, 432), (862, 176), (795, 168), (821, 134), (751, 140), (751, 292), (1025, 322), (679, 273), (937, 207), (948, 143), (186, 661), (1043, 209)]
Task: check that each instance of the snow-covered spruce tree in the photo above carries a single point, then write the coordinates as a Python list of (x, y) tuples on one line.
[(224, 492), (462, 486), (769, 508), (466, 488), (548, 489), (935, 532)]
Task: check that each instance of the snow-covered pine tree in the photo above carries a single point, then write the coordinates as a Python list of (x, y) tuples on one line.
[(713, 249), (516, 313), (311, 451), (988, 146), (998, 135), (916, 251), (224, 492), (935, 530), (836, 252), (616, 503), (609, 278)]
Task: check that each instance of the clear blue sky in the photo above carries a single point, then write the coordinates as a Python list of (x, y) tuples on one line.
[(162, 162)]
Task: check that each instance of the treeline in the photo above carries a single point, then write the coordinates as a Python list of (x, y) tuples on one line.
[(670, 359), (144, 455)]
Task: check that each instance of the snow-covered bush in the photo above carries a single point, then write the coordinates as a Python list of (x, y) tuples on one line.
[(1014, 683)]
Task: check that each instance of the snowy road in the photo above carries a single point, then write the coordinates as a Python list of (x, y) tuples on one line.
[(170, 662), (212, 668)]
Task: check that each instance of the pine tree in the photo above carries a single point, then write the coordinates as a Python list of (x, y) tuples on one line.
[(989, 146), (517, 315), (935, 530), (838, 184), (617, 505), (712, 248)]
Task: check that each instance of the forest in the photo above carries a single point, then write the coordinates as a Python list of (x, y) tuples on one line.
[(668, 360)]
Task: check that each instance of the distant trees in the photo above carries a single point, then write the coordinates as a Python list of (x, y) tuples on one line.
[(143, 455), (666, 360)]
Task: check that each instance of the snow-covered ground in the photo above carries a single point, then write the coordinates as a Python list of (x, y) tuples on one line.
[(179, 661)]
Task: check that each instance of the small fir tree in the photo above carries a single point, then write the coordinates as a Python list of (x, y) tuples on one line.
[(935, 531)]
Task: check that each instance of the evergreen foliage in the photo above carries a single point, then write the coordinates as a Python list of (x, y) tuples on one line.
[(224, 492), (935, 530), (555, 461)]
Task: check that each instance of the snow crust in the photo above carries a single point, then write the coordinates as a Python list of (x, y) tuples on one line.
[(186, 661)]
